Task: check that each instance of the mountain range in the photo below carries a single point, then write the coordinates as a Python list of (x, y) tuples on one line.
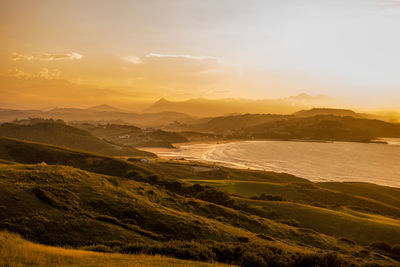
[(207, 107)]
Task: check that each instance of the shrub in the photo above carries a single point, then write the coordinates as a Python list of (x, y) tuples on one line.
[(291, 222), (396, 250), (215, 196), (346, 240), (135, 175), (98, 248), (321, 260), (383, 246), (178, 249), (268, 197)]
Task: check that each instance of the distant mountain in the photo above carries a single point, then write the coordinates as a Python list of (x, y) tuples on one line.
[(57, 133), (105, 107), (222, 107), (327, 111), (105, 114), (308, 100)]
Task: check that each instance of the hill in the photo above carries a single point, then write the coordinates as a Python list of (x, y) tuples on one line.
[(325, 127), (103, 114), (304, 125), (223, 107), (60, 134), (15, 251), (148, 208), (327, 111), (235, 123), (129, 135), (105, 107)]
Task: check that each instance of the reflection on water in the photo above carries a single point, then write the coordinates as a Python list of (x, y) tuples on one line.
[(336, 161)]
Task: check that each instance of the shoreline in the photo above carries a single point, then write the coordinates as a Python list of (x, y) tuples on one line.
[(201, 151), (383, 141), (177, 146)]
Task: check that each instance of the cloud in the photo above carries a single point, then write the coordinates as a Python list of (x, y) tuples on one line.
[(133, 59), (43, 73), (45, 56), (155, 55)]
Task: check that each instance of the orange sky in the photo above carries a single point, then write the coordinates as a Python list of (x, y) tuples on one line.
[(77, 53)]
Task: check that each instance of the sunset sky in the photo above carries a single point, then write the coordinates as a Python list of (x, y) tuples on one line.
[(77, 53)]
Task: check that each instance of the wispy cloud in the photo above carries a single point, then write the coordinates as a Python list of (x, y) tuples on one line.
[(45, 56), (155, 55), (133, 59), (43, 73)]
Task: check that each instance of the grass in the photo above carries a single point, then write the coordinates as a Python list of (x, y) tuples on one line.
[(60, 134), (17, 252), (113, 205), (360, 227), (368, 198)]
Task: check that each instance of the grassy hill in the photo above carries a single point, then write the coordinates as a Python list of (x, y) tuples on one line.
[(325, 127), (60, 134), (327, 111), (15, 251), (237, 122), (314, 124), (99, 114), (112, 205), (12, 150), (129, 135)]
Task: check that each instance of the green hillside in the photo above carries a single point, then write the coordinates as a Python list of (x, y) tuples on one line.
[(60, 134), (15, 251), (327, 111), (237, 122), (129, 135), (325, 127), (100, 203), (314, 124)]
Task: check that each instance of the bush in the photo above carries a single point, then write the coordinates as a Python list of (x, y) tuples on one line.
[(98, 248), (383, 246), (396, 250), (268, 197), (178, 249), (250, 259), (346, 240), (215, 196), (291, 222), (135, 175), (321, 260)]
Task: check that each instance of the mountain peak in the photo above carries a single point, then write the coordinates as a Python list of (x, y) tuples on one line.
[(162, 100)]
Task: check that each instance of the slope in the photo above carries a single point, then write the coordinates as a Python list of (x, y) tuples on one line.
[(60, 134)]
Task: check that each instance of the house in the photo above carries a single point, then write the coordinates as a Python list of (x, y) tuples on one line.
[(144, 160)]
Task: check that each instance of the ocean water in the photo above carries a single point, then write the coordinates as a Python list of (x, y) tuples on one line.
[(331, 161)]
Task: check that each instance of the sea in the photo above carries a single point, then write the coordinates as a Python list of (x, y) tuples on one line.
[(377, 163)]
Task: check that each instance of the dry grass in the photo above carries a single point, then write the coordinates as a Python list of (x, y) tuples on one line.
[(17, 252)]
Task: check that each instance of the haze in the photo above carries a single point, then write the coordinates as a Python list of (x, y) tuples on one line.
[(80, 53)]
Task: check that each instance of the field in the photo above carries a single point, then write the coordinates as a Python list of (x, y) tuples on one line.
[(192, 211), (17, 252)]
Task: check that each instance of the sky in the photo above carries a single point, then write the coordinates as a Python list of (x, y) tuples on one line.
[(77, 53)]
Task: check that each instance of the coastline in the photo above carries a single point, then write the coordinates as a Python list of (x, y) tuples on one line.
[(305, 166)]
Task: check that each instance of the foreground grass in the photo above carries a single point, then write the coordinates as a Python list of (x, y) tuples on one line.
[(15, 251)]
